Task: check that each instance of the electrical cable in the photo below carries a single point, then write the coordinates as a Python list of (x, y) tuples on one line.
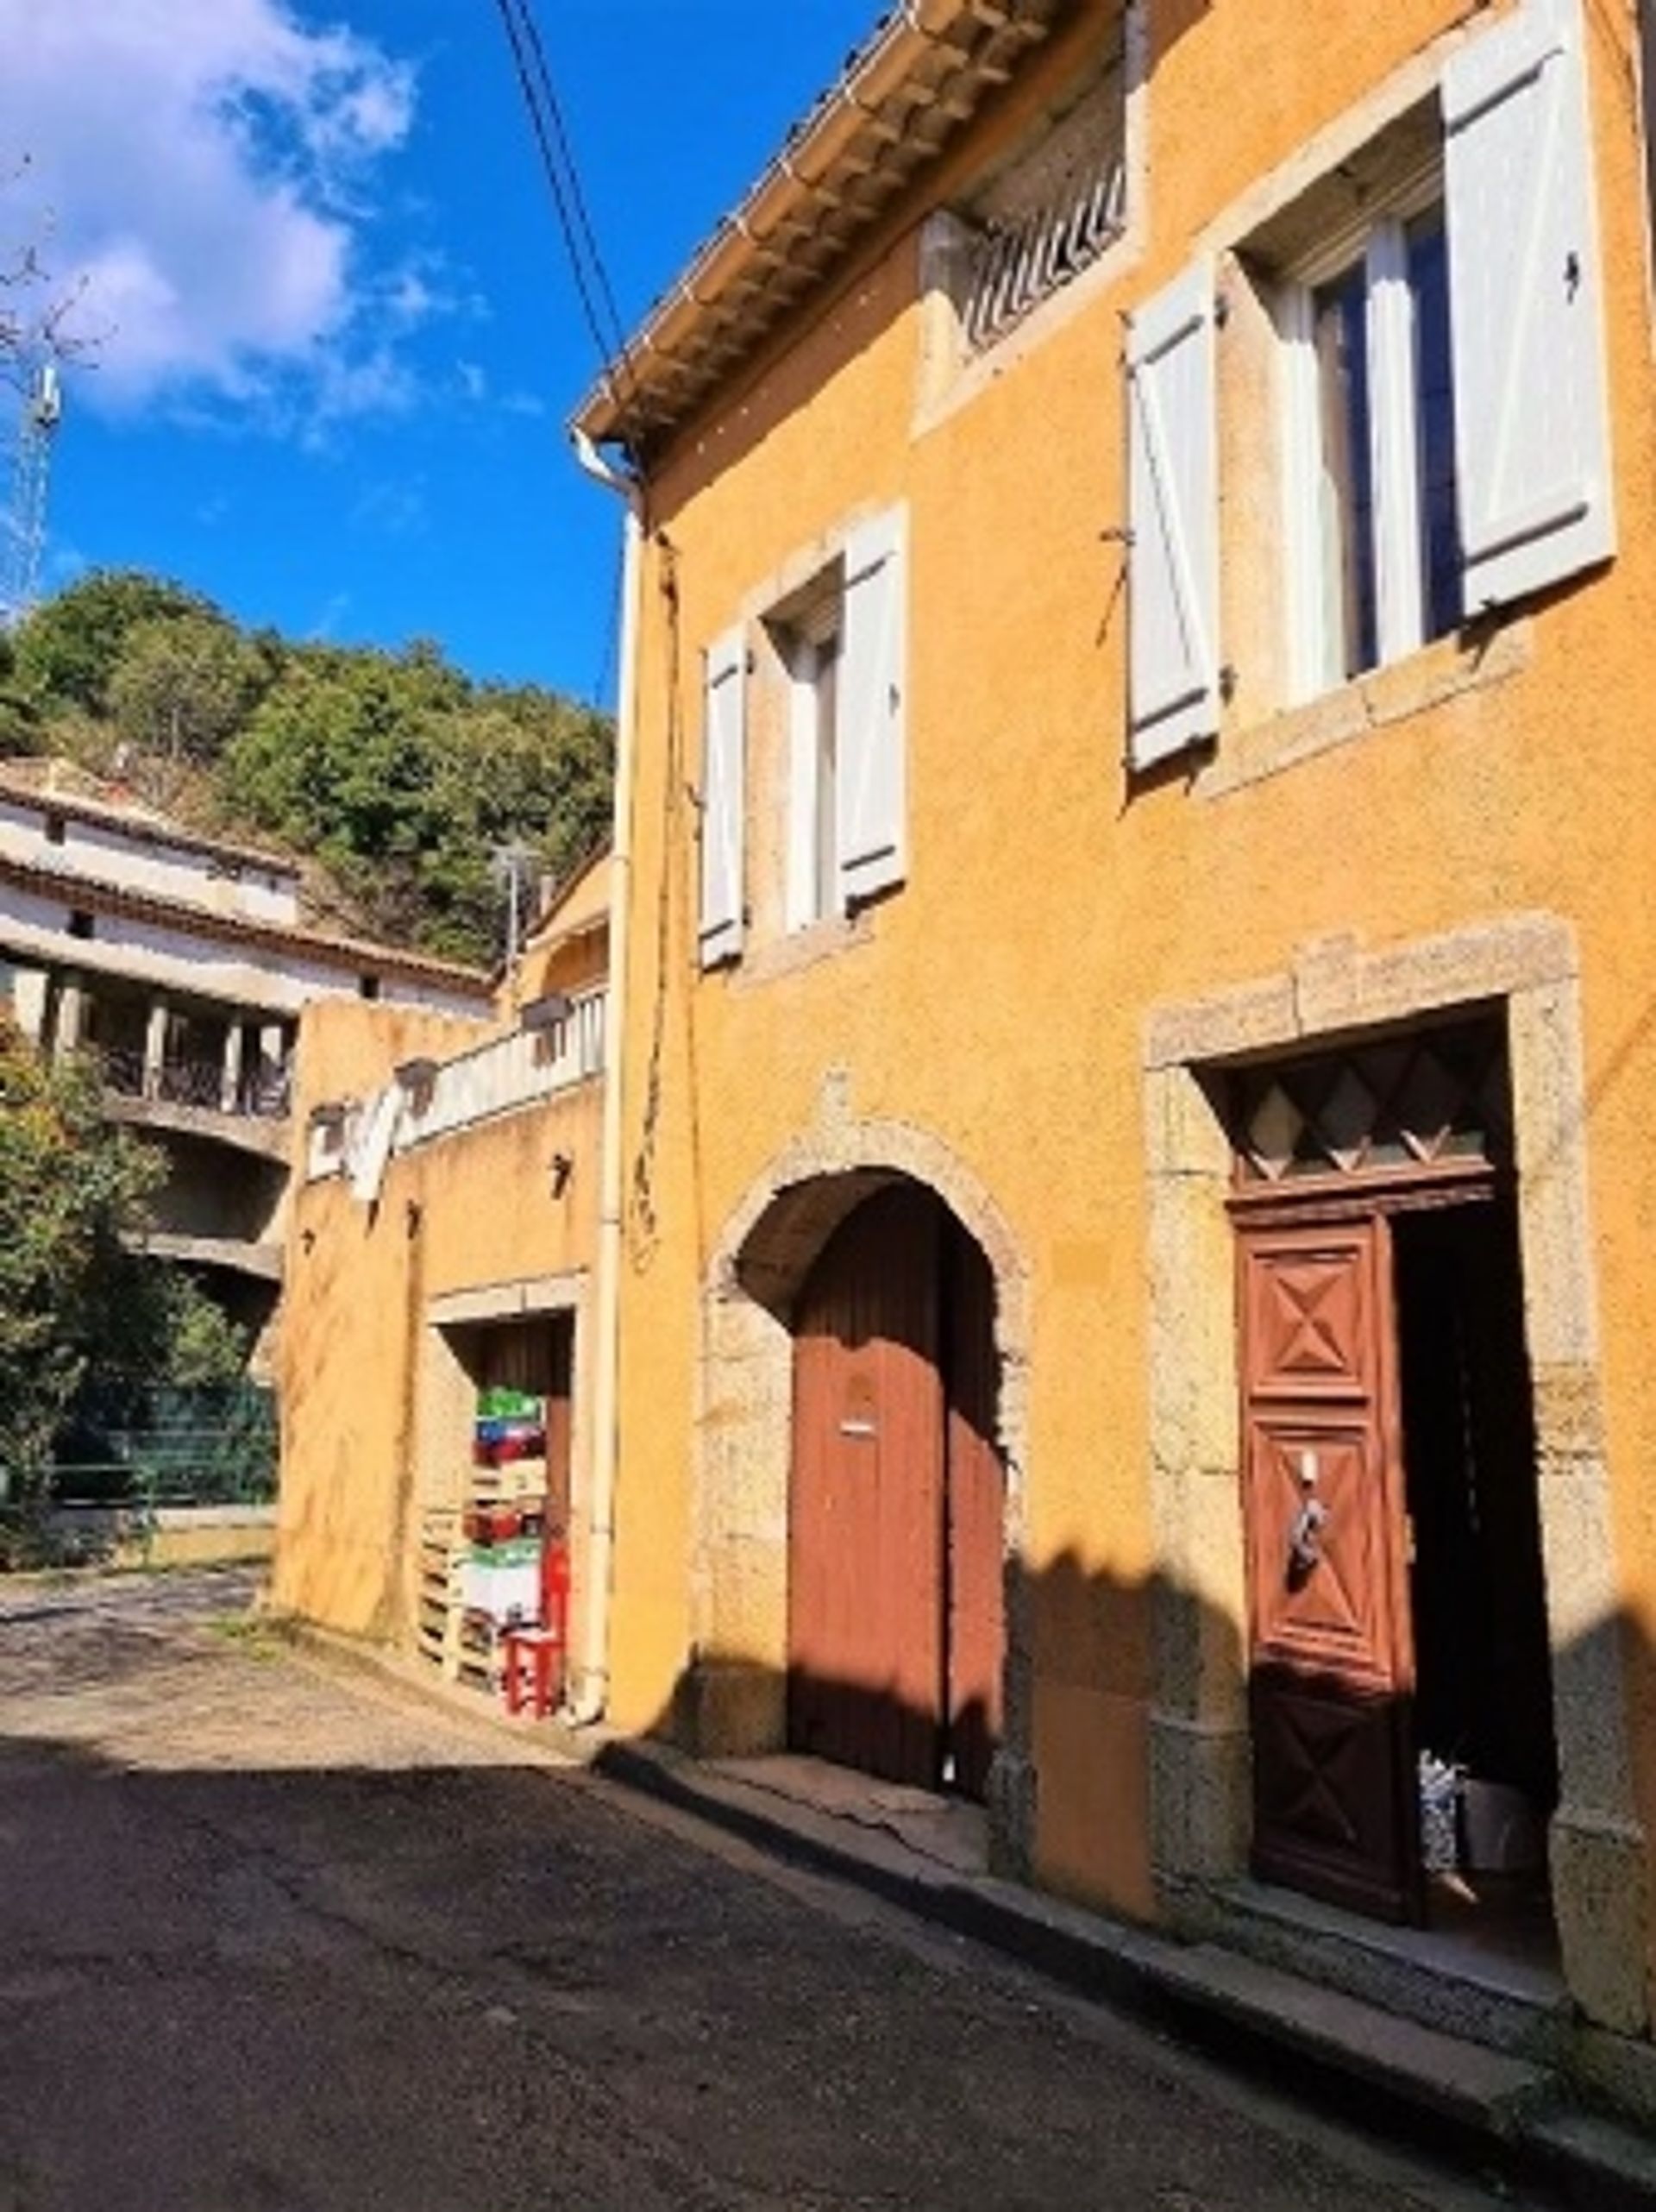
[(572, 176), (593, 289)]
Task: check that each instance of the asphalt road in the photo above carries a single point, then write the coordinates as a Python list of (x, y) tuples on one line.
[(274, 1939)]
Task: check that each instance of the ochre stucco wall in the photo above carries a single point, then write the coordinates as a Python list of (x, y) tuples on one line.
[(360, 1419), (998, 1002)]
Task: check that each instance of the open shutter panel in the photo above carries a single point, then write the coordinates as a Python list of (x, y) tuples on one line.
[(723, 799), (1531, 421), (1173, 506), (869, 793)]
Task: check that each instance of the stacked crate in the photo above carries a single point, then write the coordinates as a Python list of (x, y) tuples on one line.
[(480, 1563)]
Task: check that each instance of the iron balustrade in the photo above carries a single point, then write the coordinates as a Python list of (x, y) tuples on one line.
[(263, 1091), (498, 1076)]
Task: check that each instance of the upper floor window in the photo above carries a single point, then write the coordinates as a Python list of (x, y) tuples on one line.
[(1373, 533), (1442, 446), (810, 645), (835, 823)]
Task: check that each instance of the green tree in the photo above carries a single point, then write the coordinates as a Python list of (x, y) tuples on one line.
[(67, 649), (402, 780), (393, 774), (182, 683), (72, 1188)]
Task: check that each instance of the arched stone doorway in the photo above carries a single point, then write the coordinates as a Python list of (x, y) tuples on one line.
[(896, 1507), (734, 1691)]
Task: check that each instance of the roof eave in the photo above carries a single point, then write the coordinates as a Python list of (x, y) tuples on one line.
[(726, 302)]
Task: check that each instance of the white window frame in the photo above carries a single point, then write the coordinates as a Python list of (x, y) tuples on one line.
[(810, 643), (1380, 244)]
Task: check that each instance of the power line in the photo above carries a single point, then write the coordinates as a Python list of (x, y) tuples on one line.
[(592, 282), (572, 174)]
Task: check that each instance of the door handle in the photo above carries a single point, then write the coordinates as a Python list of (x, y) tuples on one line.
[(1305, 1539)]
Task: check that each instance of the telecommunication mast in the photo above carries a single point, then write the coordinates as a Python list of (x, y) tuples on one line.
[(22, 525)]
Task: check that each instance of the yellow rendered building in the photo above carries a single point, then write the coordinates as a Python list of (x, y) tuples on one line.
[(1133, 974), (446, 1203)]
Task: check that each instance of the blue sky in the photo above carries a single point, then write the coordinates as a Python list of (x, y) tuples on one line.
[(334, 337)]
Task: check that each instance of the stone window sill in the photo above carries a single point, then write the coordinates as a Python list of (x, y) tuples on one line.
[(1439, 672), (801, 948)]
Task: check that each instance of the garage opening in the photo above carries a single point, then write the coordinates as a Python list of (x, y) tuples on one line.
[(493, 1568)]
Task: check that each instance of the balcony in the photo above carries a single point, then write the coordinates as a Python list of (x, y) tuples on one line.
[(263, 1092), (501, 1077), (192, 1098), (506, 1073)]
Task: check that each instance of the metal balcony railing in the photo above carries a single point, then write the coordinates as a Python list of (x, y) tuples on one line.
[(498, 1077), (507, 1072), (264, 1090)]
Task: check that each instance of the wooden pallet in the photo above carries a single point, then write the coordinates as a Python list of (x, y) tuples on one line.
[(437, 1611)]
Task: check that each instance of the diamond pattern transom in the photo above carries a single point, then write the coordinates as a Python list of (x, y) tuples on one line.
[(1438, 1095)]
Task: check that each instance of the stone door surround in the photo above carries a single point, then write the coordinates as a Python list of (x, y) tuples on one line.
[(1527, 965)]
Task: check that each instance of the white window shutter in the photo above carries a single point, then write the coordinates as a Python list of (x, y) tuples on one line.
[(1532, 425), (870, 802), (724, 803), (1173, 507)]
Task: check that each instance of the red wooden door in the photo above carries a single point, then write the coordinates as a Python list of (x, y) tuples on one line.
[(974, 1624), (1332, 1667), (866, 1528)]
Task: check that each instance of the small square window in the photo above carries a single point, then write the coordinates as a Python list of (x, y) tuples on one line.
[(1044, 213), (80, 924)]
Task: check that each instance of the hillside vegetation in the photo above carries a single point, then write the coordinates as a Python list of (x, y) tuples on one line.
[(393, 777)]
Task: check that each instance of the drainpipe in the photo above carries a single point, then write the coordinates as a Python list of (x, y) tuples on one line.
[(591, 1699)]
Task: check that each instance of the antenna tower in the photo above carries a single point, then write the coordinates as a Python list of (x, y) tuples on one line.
[(22, 522)]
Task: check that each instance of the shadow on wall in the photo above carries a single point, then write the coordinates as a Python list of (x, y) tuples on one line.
[(1134, 1730), (1079, 1743)]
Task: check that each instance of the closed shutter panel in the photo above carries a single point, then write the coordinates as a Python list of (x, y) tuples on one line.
[(1173, 503), (378, 1128), (870, 791), (1531, 421), (724, 799)]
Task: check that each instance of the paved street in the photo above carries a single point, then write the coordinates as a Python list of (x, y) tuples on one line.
[(276, 1940)]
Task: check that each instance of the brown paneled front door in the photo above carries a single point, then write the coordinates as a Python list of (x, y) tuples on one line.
[(897, 1502), (865, 1638), (1332, 1665)]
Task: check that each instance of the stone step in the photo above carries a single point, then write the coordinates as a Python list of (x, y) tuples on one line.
[(1603, 2164), (1486, 2090), (1440, 1982)]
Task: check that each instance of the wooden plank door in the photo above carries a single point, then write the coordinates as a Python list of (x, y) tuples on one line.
[(975, 1625), (1330, 1663), (865, 1542)]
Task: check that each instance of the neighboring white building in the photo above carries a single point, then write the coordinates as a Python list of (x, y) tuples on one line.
[(182, 961)]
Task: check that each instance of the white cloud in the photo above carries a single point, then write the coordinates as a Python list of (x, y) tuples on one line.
[(209, 167)]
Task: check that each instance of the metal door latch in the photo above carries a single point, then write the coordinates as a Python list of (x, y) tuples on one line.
[(1305, 1532), (1305, 1537)]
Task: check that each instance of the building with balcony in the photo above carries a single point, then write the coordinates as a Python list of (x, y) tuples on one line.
[(183, 962), (445, 1244)]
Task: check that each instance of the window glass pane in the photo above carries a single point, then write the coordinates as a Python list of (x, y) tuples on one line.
[(1346, 494), (1429, 277), (827, 857)]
